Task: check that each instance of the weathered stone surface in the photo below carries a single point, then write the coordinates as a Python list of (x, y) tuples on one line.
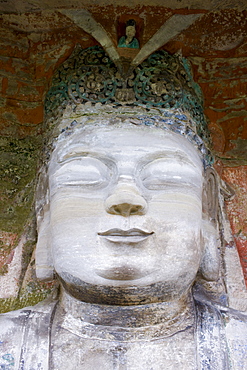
[(128, 227), (18, 161), (36, 39)]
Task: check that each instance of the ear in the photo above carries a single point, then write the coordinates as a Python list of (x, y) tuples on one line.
[(210, 263), (43, 257)]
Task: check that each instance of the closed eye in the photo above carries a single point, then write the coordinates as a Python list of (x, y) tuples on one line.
[(82, 172), (166, 173)]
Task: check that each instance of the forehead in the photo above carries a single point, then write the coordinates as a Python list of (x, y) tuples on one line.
[(126, 140)]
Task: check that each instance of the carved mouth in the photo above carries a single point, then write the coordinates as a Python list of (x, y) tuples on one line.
[(125, 236)]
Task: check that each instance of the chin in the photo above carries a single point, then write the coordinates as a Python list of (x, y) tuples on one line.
[(122, 273)]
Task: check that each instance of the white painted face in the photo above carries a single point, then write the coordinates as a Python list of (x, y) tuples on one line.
[(130, 31), (126, 210)]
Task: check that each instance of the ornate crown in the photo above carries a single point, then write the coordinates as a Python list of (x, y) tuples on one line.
[(160, 91)]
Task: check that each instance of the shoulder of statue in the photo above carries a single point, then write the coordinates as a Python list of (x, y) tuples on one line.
[(13, 323), (18, 334), (14, 318), (235, 325), (229, 326)]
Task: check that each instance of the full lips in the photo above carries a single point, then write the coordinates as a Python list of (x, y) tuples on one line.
[(125, 236)]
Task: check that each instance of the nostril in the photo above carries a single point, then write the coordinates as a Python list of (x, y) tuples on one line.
[(115, 209), (136, 210), (125, 204)]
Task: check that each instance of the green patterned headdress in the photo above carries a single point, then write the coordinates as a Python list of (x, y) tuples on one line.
[(159, 92)]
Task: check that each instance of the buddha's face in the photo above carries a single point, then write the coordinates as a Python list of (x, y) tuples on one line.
[(125, 214)]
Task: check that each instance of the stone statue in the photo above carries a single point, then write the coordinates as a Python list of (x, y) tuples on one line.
[(127, 219), (129, 41)]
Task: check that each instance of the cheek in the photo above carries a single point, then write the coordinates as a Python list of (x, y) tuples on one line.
[(72, 208), (180, 260), (74, 222), (75, 244), (176, 209), (178, 241), (176, 221)]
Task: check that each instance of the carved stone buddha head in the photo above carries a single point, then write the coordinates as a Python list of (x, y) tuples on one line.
[(127, 215)]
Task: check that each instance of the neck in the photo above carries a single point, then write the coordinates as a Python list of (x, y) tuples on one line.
[(171, 312)]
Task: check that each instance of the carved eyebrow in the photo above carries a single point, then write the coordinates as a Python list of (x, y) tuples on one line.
[(168, 154), (78, 153)]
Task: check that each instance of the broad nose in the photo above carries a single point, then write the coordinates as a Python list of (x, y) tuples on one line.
[(126, 201)]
